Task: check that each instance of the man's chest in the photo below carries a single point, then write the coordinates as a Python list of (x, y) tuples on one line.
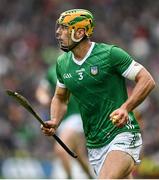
[(86, 76)]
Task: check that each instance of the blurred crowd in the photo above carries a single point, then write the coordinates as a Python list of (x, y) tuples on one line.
[(28, 47)]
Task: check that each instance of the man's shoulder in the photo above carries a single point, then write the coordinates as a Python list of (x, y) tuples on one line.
[(104, 46)]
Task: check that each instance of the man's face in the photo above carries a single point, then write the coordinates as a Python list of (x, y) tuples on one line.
[(63, 36)]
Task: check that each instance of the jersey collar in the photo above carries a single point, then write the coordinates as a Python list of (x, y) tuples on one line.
[(86, 56)]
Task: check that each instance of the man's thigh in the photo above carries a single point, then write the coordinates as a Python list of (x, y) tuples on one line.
[(118, 164)]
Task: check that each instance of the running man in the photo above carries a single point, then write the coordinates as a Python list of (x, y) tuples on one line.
[(94, 73)]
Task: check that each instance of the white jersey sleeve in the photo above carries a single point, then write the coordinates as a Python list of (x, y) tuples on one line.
[(132, 70), (60, 84)]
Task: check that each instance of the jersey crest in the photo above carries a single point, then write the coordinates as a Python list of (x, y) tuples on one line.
[(94, 70)]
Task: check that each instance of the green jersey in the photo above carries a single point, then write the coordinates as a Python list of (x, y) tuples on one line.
[(99, 88)]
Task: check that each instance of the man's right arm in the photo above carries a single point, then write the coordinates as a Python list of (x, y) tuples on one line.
[(58, 109)]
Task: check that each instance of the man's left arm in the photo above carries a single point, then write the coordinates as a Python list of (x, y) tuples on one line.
[(144, 84)]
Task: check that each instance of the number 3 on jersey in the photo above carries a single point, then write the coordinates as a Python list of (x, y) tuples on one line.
[(80, 75)]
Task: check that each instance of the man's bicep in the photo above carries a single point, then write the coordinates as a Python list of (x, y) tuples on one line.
[(62, 94), (143, 73)]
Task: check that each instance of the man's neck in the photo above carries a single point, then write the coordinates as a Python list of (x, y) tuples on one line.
[(81, 49)]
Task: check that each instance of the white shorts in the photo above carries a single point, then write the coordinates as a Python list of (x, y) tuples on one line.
[(128, 142), (72, 122)]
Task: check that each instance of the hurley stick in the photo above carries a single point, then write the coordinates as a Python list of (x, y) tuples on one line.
[(24, 102)]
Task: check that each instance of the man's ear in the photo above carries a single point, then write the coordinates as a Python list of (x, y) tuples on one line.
[(80, 33)]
